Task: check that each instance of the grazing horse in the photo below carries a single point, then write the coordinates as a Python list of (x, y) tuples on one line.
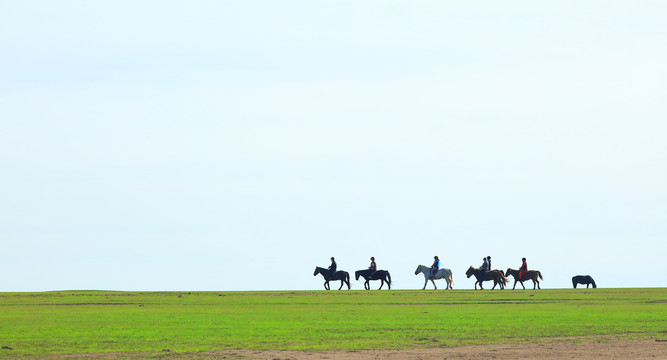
[(382, 275), (495, 275), (440, 274), (583, 279), (529, 275), (343, 276)]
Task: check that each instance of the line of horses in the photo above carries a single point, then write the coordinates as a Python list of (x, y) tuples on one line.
[(499, 278), (344, 277)]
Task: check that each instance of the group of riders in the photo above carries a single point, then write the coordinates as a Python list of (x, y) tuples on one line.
[(486, 266), (373, 268)]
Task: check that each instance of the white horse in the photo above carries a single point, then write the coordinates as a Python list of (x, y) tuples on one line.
[(440, 274)]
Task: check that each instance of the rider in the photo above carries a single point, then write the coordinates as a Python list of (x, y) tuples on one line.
[(485, 267), (523, 268), (435, 266), (373, 268), (332, 268), (489, 261)]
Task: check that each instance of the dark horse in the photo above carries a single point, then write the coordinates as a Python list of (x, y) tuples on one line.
[(343, 276), (583, 279), (529, 275), (495, 275), (382, 275)]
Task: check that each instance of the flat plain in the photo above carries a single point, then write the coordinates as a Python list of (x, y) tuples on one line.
[(216, 324)]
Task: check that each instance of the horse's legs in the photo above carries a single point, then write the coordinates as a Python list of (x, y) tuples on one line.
[(326, 285), (435, 287)]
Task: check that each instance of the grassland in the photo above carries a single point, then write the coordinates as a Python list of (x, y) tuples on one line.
[(96, 322)]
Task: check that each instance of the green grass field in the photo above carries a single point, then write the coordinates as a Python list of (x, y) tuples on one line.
[(85, 322)]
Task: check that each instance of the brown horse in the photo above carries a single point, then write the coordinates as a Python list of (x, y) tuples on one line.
[(529, 275), (495, 275)]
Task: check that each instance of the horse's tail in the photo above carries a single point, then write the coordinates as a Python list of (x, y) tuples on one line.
[(503, 278), (451, 279), (540, 275), (388, 278)]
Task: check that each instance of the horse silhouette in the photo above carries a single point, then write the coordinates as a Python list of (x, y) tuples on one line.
[(340, 275), (583, 279), (382, 275)]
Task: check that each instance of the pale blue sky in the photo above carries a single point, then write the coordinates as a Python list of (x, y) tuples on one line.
[(209, 145)]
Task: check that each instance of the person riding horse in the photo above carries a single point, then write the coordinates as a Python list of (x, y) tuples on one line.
[(523, 269), (373, 268), (435, 266), (486, 266), (332, 268)]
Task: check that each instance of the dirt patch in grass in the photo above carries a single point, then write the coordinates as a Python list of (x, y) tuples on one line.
[(586, 350), (644, 349)]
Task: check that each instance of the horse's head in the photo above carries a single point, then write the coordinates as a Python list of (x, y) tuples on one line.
[(419, 269), (317, 270), (356, 274), (470, 272), (508, 272)]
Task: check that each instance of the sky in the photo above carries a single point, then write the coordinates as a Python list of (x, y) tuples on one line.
[(226, 145)]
